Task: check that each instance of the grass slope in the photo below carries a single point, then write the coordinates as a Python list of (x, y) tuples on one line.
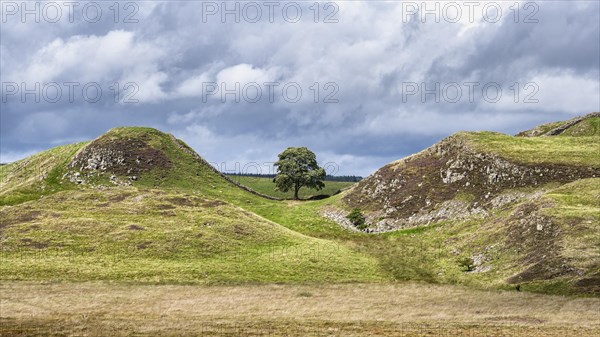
[(586, 128), (180, 221), (548, 244), (266, 186), (588, 125), (186, 224), (581, 151), (35, 176), (543, 236), (130, 234)]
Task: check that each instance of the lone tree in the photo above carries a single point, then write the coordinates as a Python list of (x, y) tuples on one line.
[(297, 167)]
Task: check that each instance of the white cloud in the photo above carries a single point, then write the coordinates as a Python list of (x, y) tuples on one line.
[(193, 86), (568, 92), (368, 53), (115, 57), (243, 74)]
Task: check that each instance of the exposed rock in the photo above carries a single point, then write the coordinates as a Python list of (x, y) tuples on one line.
[(116, 158), (425, 187), (513, 197), (119, 157), (338, 216)]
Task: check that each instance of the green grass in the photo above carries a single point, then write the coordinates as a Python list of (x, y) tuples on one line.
[(189, 225), (266, 186), (581, 151), (577, 210), (587, 127), (164, 237), (85, 234), (542, 129), (36, 176), (577, 199)]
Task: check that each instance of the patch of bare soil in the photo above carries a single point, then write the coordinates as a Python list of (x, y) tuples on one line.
[(135, 228)]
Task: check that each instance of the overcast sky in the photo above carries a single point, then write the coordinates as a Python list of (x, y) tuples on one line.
[(361, 68)]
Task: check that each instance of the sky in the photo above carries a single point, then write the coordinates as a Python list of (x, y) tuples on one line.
[(359, 83)]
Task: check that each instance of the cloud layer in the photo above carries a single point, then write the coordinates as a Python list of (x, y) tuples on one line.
[(367, 83)]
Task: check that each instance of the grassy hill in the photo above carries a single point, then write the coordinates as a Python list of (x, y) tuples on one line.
[(547, 244), (588, 125), (561, 150), (144, 235), (467, 172), (35, 176), (138, 205), (522, 210)]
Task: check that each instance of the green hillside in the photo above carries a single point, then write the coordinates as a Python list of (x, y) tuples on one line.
[(40, 174), (523, 211), (562, 150), (266, 186), (583, 126), (143, 235), (138, 205), (588, 127)]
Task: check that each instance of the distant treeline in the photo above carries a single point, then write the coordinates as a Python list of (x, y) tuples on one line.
[(353, 179)]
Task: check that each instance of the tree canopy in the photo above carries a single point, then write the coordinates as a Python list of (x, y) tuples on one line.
[(296, 168)]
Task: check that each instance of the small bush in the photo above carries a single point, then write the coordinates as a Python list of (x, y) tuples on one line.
[(357, 219), (467, 263)]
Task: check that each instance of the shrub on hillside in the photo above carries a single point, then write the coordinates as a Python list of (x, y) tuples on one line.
[(467, 263), (357, 219)]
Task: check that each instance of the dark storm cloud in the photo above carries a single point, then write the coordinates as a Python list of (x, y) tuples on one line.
[(564, 38), (369, 55)]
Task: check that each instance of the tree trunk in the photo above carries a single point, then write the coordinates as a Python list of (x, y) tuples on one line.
[(296, 189)]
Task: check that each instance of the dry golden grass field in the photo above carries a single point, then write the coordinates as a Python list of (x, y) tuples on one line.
[(402, 309)]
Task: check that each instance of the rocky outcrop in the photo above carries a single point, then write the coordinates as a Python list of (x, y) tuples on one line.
[(449, 180), (121, 160), (339, 216)]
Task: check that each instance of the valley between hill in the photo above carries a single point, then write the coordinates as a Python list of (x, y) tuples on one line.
[(138, 212)]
